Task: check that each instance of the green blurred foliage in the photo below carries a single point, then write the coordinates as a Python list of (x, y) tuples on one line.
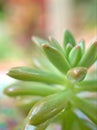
[(8, 49), (89, 7), (2, 11)]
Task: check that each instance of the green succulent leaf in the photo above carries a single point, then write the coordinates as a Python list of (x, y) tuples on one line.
[(77, 74), (68, 38), (56, 58), (71, 121), (90, 56), (88, 108), (75, 55), (88, 85), (55, 44), (48, 107), (20, 89), (68, 49), (39, 41), (29, 74), (45, 64), (82, 45)]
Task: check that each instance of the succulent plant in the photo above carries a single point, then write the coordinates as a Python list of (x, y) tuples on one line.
[(55, 89)]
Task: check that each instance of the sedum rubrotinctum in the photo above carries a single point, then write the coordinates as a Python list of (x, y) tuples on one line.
[(59, 88)]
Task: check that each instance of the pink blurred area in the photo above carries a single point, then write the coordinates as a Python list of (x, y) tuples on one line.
[(21, 20), (26, 18)]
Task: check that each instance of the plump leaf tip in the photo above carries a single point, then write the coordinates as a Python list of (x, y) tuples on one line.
[(54, 91)]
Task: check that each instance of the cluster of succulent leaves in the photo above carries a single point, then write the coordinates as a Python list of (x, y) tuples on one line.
[(58, 89)]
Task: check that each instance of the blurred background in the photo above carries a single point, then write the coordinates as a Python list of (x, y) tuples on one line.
[(22, 19)]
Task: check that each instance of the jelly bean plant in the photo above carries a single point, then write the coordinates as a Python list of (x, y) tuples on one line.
[(58, 88)]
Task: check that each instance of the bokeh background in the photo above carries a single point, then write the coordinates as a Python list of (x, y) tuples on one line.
[(22, 19)]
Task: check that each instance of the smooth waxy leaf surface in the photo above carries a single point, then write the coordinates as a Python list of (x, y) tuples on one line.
[(75, 56), (20, 89), (48, 107), (82, 45), (68, 38), (56, 58), (90, 56), (29, 74), (68, 49)]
